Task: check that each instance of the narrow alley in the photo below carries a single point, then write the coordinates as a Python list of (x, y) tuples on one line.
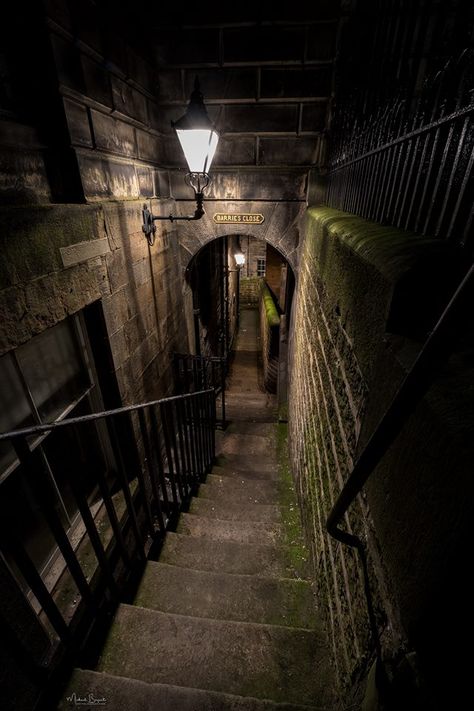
[(236, 355), (225, 619)]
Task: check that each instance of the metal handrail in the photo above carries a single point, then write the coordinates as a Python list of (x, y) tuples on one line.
[(38, 429), (174, 443), (416, 383)]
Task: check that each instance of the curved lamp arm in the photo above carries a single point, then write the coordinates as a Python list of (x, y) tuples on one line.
[(198, 182)]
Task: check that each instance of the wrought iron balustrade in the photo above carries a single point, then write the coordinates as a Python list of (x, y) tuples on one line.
[(410, 164), (193, 372), (130, 510)]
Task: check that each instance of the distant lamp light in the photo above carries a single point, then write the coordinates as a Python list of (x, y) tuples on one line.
[(198, 139), (239, 259)]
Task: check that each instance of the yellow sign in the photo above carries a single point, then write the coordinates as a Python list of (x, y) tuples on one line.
[(234, 218)]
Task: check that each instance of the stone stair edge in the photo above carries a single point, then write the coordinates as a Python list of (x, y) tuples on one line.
[(248, 576), (234, 702), (211, 622)]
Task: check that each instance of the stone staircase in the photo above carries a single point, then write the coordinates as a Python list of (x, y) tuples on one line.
[(225, 620)]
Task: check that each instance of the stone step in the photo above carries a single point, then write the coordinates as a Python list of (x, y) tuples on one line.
[(267, 533), (251, 444), (241, 658), (263, 429), (230, 557), (233, 472), (244, 462), (242, 598), (122, 694), (242, 490), (234, 511)]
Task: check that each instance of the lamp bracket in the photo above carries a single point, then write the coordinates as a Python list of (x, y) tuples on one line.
[(198, 182)]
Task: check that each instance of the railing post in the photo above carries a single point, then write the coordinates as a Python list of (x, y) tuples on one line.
[(151, 474), (38, 479), (123, 479)]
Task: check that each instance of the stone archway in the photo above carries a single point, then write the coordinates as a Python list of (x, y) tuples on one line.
[(280, 227)]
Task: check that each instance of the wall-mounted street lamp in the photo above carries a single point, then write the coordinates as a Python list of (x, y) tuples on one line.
[(198, 138), (239, 259)]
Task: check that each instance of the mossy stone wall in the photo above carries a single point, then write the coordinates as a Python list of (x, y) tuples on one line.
[(57, 259), (355, 330), (270, 337)]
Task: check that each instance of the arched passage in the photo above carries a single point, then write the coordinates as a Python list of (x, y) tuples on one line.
[(280, 227), (218, 292)]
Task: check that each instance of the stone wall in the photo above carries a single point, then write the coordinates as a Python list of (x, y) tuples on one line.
[(250, 288), (353, 284), (58, 259)]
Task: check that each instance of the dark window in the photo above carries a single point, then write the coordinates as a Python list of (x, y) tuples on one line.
[(261, 267), (47, 379)]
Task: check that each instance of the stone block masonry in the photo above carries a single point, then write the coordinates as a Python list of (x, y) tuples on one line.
[(59, 259), (353, 282)]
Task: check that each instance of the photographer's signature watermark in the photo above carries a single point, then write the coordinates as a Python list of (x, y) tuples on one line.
[(87, 700)]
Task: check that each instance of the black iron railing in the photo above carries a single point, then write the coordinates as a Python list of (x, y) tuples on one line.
[(193, 372), (411, 164), (413, 388), (131, 509)]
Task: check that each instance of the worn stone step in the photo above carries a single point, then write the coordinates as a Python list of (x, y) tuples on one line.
[(242, 490), (244, 462), (230, 557), (256, 414), (267, 533), (234, 510), (233, 472), (251, 444), (221, 596), (241, 658), (122, 694), (264, 429)]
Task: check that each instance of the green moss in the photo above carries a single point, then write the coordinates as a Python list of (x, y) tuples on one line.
[(30, 239), (390, 250), (271, 312), (289, 511)]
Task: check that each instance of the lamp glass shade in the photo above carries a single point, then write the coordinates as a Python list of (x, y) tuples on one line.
[(239, 259), (199, 146)]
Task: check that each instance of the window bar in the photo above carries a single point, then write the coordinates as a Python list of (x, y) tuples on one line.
[(112, 514), (35, 582), (157, 452), (34, 464), (94, 537), (151, 473), (122, 475)]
